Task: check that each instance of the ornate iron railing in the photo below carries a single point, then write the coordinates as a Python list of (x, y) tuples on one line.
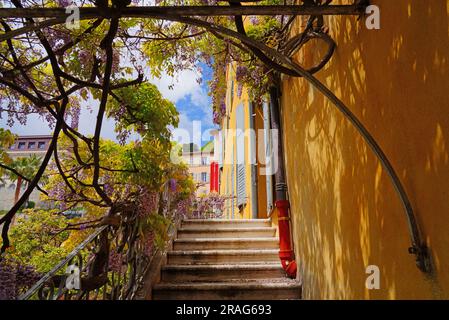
[(80, 276), (110, 264)]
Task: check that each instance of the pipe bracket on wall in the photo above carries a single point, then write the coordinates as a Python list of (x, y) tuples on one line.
[(423, 261)]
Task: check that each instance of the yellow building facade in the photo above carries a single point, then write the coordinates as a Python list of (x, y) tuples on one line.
[(346, 215), (238, 153)]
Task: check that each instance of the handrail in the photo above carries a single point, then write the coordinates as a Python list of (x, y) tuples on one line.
[(418, 247), (143, 279), (289, 67), (61, 264)]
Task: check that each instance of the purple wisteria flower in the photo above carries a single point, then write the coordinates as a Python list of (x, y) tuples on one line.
[(64, 3), (172, 184), (108, 185), (241, 72), (85, 58), (217, 118)]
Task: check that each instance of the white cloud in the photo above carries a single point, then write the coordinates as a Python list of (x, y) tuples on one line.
[(200, 98), (191, 130), (184, 84), (184, 132)]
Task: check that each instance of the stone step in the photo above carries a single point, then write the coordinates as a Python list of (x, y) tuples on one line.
[(224, 223), (222, 256), (228, 243), (229, 290), (252, 232), (224, 259), (220, 272)]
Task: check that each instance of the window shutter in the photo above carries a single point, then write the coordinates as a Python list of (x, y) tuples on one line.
[(240, 166), (268, 155), (232, 184)]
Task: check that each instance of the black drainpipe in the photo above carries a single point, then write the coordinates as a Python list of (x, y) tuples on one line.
[(279, 175)]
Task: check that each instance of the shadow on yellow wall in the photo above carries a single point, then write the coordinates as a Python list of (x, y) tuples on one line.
[(346, 214)]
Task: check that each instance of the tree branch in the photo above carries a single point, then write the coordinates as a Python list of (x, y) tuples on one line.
[(106, 44)]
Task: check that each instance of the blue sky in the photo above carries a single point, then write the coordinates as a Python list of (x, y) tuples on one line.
[(195, 104), (190, 97)]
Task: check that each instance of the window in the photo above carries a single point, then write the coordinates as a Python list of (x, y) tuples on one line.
[(204, 161), (21, 145), (31, 145), (41, 145), (204, 177)]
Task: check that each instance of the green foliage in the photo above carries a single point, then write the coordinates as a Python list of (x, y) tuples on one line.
[(186, 45), (185, 186), (151, 159), (126, 170), (36, 241), (7, 139), (265, 30), (26, 166), (142, 109), (159, 225)]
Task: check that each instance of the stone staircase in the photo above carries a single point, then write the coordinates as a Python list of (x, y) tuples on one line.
[(225, 259)]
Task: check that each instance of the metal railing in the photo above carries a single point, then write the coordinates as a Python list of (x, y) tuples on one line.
[(110, 264), (90, 272)]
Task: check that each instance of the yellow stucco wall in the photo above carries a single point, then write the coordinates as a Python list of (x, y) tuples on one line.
[(346, 214)]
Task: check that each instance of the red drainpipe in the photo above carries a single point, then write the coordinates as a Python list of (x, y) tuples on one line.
[(286, 253)]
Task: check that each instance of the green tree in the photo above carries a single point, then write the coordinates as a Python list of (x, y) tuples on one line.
[(37, 239), (26, 167), (54, 71), (7, 139)]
